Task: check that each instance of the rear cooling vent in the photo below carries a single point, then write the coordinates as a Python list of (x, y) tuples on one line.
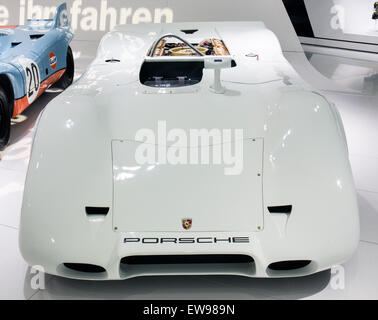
[(83, 267), (289, 265), (281, 209), (187, 259)]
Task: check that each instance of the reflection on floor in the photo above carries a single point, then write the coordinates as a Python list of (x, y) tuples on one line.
[(342, 66), (360, 114)]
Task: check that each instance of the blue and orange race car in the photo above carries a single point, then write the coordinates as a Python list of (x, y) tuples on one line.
[(33, 57)]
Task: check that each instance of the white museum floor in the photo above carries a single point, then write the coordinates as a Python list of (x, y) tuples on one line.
[(354, 71)]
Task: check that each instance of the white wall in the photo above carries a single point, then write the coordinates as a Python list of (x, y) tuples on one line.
[(92, 18), (349, 20)]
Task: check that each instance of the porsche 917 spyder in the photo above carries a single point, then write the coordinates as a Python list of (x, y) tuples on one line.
[(189, 148)]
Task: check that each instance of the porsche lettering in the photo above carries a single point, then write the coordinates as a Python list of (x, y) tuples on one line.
[(199, 240)]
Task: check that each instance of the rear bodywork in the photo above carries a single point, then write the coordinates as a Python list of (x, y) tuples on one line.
[(33, 57), (91, 212)]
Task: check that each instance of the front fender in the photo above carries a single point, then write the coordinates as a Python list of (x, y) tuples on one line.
[(15, 77)]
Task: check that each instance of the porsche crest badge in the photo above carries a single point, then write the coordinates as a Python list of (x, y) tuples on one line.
[(187, 223)]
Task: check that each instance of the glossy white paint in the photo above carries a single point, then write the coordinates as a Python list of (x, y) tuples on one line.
[(305, 162)]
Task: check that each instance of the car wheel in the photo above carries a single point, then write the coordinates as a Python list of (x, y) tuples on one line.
[(5, 119), (67, 77)]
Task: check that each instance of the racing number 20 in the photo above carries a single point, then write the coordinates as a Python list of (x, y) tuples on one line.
[(33, 79)]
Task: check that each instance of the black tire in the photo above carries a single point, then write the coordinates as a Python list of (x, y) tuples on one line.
[(67, 78), (5, 119)]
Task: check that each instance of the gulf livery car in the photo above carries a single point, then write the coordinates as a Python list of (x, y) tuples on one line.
[(189, 148), (32, 58)]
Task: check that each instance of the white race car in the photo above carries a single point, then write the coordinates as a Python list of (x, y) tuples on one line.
[(189, 148)]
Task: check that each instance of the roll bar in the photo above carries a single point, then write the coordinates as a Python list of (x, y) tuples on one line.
[(177, 37)]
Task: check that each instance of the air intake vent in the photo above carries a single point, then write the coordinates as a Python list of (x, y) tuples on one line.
[(102, 211), (84, 267), (36, 36), (187, 259), (112, 60), (281, 209), (289, 265), (187, 264), (15, 44)]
